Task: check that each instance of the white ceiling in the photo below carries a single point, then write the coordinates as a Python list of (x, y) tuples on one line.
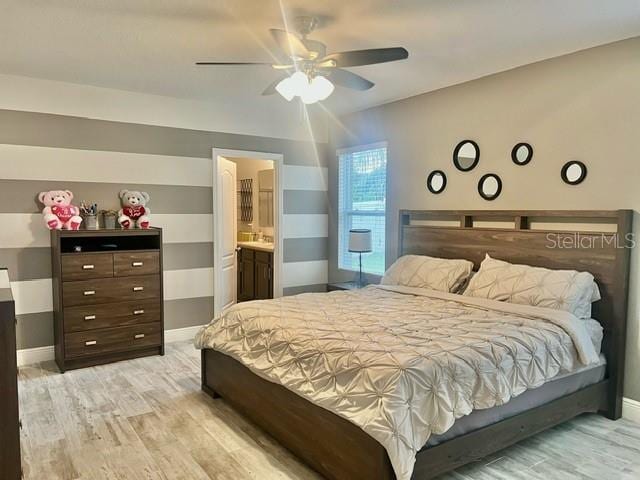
[(150, 45)]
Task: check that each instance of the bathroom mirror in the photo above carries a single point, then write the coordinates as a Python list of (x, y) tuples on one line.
[(490, 186), (466, 155), (574, 172), (436, 181), (522, 153), (265, 198)]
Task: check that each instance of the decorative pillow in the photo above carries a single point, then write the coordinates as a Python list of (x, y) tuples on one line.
[(567, 290), (428, 272)]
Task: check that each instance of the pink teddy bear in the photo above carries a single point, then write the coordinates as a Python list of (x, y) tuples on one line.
[(58, 211)]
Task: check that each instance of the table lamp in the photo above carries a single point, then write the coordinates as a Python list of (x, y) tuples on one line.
[(360, 242)]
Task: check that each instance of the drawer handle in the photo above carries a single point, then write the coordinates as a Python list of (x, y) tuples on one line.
[(89, 292), (89, 317), (137, 264), (140, 335), (88, 267), (90, 342), (138, 312), (138, 289)]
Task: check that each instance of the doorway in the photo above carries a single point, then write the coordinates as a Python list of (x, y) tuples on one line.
[(247, 226)]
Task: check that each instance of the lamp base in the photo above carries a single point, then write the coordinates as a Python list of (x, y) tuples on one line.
[(360, 282)]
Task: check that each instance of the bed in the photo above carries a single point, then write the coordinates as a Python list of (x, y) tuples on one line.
[(391, 382)]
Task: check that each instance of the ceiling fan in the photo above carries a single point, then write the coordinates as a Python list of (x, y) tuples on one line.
[(309, 72)]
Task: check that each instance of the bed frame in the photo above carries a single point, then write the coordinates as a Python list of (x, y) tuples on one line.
[(340, 450)]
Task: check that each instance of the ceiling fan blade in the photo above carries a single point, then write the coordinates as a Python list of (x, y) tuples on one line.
[(232, 63), (271, 89), (290, 44), (355, 58), (349, 79)]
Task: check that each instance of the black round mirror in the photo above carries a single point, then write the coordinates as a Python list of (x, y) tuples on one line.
[(490, 186), (436, 181), (522, 153), (466, 155), (574, 172)]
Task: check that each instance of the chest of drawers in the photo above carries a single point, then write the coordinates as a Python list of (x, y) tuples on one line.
[(107, 296)]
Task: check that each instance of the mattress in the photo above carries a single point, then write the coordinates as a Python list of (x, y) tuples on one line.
[(557, 388), (402, 363)]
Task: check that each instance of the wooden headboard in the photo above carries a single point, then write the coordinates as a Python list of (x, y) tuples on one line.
[(596, 241)]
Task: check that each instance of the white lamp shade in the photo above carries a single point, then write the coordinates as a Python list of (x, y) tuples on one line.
[(286, 89), (319, 89), (360, 240)]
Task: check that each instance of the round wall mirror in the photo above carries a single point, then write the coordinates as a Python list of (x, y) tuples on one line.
[(436, 181), (522, 153), (490, 186), (466, 155), (574, 172)]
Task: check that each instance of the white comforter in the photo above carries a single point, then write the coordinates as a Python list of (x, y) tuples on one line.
[(401, 363)]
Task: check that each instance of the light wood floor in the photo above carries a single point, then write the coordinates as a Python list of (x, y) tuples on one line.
[(147, 419)]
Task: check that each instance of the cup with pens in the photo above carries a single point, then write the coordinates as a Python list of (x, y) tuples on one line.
[(89, 215)]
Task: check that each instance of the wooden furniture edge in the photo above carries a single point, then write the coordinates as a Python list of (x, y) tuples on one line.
[(10, 423), (326, 442), (221, 376), (434, 461)]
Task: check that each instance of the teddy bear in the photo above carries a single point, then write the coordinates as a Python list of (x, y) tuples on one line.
[(58, 212), (134, 211)]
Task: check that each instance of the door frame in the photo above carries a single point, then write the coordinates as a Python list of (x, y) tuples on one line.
[(278, 215)]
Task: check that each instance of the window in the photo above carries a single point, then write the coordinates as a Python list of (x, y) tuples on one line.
[(362, 194)]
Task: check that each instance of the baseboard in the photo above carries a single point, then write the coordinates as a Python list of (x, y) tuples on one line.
[(631, 410), (29, 356), (181, 334)]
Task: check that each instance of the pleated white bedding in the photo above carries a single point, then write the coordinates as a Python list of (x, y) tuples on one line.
[(401, 363)]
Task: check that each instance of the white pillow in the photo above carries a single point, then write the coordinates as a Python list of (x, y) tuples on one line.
[(428, 272), (567, 290)]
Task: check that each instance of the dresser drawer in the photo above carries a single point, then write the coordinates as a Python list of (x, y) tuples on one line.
[(84, 266), (108, 340), (136, 263), (110, 290), (90, 317)]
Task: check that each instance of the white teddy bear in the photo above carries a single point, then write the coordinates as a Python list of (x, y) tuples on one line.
[(134, 211)]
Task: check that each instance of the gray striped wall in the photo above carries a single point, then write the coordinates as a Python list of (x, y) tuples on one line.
[(28, 258)]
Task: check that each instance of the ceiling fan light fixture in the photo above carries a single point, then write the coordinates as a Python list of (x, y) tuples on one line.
[(300, 82), (308, 97), (286, 88), (310, 91), (321, 87), (317, 71)]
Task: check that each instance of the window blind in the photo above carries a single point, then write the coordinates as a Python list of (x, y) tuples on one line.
[(362, 199)]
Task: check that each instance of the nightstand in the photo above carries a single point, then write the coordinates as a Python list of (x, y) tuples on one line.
[(331, 287)]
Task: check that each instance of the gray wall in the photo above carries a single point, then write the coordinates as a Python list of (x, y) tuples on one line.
[(176, 204), (582, 106)]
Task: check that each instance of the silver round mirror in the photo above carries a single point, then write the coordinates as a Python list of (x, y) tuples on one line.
[(490, 186), (436, 181), (574, 172), (466, 155), (522, 153)]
